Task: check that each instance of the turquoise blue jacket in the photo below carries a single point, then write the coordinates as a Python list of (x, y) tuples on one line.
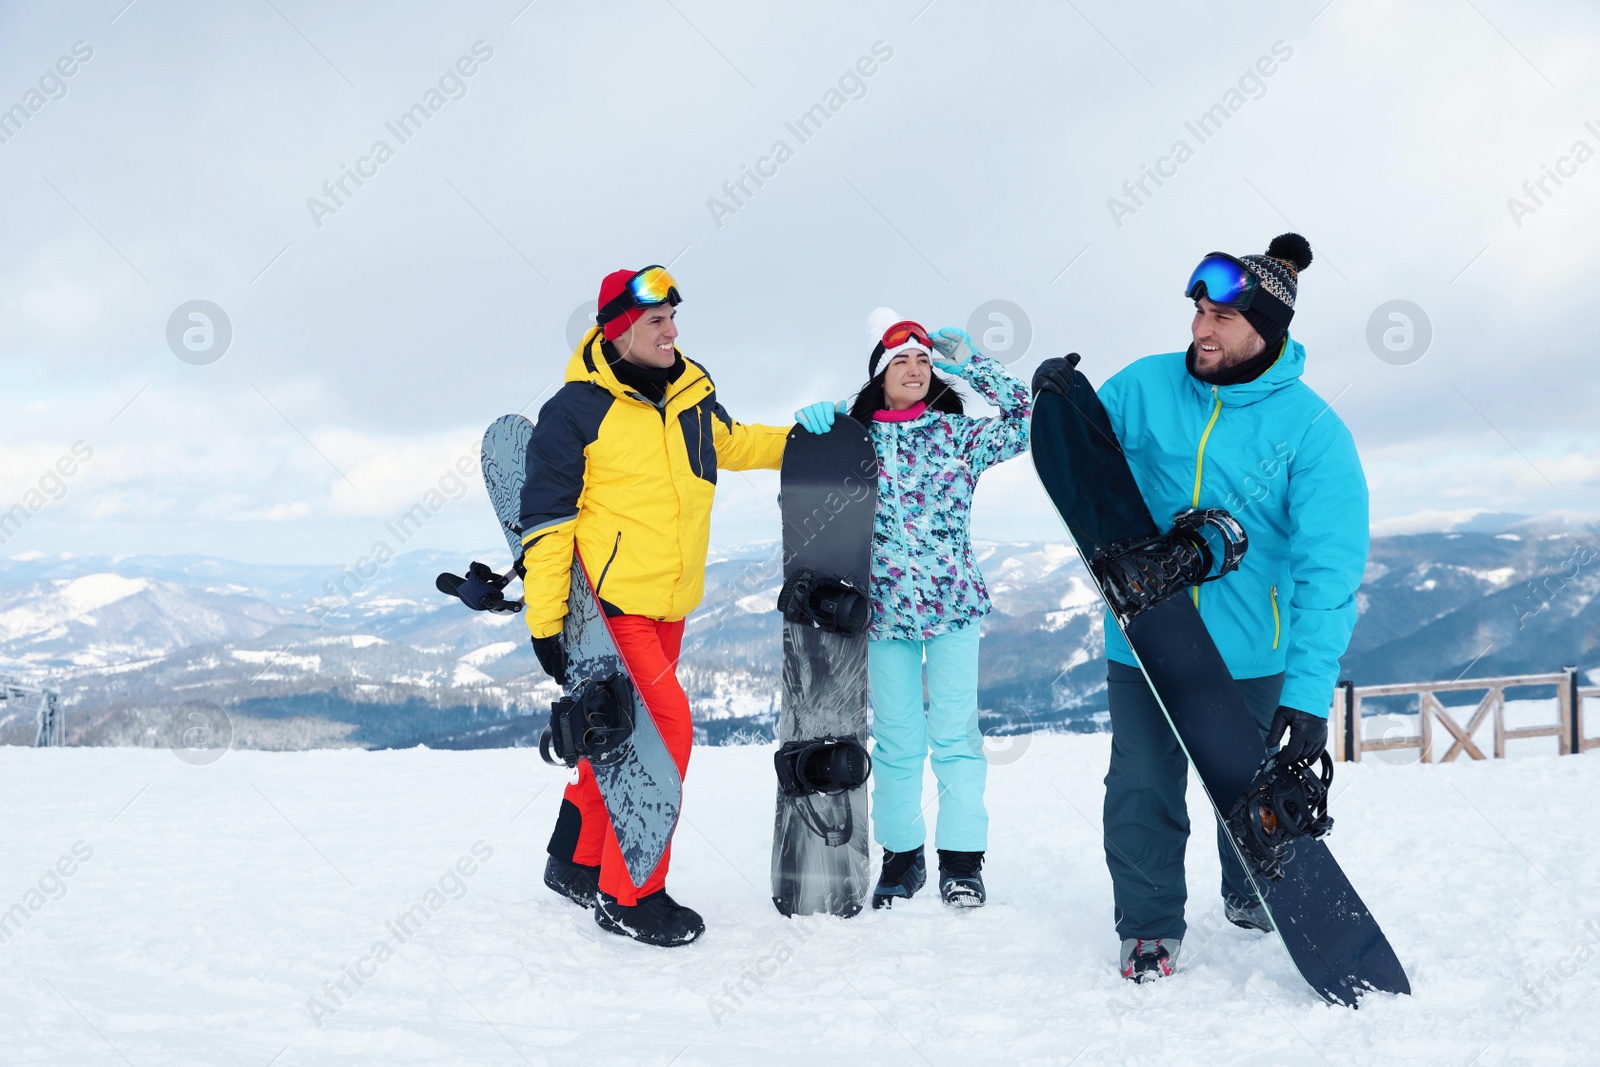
[(1275, 455)]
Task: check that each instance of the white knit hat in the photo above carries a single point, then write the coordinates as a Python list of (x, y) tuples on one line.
[(878, 322)]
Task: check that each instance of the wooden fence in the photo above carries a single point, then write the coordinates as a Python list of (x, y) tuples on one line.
[(1348, 743)]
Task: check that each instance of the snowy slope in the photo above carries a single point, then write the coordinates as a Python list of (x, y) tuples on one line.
[(216, 900)]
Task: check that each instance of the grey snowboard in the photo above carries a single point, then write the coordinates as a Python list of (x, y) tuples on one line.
[(829, 496), (642, 790)]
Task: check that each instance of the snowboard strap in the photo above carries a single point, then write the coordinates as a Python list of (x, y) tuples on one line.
[(1283, 802), (1136, 575), (593, 722), (832, 604), (481, 589), (830, 766)]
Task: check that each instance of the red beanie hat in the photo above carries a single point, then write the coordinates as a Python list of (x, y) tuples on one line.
[(611, 288)]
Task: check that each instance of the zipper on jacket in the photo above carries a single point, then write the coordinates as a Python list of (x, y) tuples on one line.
[(899, 506), (1277, 622), (606, 569), (665, 400), (1199, 465), (893, 468)]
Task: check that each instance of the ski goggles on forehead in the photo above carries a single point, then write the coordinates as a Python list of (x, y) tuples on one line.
[(649, 288), (1222, 280), (904, 331)]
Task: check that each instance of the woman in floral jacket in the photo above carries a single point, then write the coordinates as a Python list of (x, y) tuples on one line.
[(928, 596)]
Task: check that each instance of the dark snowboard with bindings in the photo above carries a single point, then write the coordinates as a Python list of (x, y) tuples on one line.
[(1276, 815), (820, 844), (600, 717)]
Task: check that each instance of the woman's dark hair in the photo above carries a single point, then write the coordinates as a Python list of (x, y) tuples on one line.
[(941, 397)]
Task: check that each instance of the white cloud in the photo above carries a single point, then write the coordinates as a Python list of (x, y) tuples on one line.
[(418, 312)]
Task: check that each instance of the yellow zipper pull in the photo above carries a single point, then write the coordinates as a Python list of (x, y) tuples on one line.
[(1277, 622)]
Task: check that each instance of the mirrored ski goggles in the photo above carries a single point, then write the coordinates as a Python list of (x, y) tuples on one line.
[(649, 288), (904, 331), (1222, 280)]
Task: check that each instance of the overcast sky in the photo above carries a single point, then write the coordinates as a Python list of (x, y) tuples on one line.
[(376, 332)]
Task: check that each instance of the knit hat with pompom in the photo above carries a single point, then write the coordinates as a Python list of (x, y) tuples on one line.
[(1272, 308)]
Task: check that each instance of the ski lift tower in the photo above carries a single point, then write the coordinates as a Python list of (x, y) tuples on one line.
[(20, 697)]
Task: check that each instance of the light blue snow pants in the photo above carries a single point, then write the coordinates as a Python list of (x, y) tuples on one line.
[(903, 732)]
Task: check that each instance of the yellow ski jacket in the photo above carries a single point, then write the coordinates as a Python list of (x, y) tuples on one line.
[(630, 485)]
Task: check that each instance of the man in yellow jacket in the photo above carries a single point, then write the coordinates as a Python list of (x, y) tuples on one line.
[(622, 467)]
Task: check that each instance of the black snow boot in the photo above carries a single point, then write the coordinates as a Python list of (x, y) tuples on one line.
[(961, 879), (903, 874), (1246, 912), (574, 881), (656, 919)]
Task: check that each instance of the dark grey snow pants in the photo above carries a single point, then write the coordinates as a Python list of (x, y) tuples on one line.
[(1146, 816)]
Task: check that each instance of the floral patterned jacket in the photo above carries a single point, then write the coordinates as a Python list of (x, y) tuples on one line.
[(925, 579)]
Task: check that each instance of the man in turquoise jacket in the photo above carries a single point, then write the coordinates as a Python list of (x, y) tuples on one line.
[(1229, 424)]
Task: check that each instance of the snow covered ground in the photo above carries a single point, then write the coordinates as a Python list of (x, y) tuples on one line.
[(181, 914)]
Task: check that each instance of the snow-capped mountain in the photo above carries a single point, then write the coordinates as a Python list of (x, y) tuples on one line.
[(105, 618), (312, 657), (1453, 604)]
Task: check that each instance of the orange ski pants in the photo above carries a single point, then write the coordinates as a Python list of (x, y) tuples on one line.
[(650, 650)]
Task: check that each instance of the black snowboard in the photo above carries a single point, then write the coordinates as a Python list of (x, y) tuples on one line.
[(829, 496), (641, 788), (1331, 936)]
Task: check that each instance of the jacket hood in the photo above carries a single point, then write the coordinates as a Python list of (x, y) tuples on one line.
[(588, 364), (1286, 370)]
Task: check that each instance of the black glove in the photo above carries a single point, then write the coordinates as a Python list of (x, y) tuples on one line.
[(552, 657), (1055, 375), (481, 590), (1308, 735)]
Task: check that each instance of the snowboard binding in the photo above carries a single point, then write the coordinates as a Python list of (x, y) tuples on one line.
[(1283, 802), (831, 604), (1136, 575), (828, 766), (481, 589), (593, 722)]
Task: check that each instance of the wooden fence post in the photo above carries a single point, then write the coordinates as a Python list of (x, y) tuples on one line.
[(1335, 744), (1352, 727), (1574, 707)]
